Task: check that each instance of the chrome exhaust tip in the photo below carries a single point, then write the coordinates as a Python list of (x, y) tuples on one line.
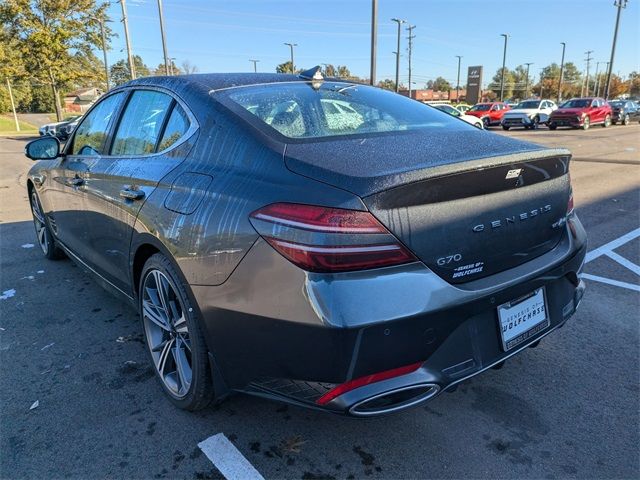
[(394, 400)]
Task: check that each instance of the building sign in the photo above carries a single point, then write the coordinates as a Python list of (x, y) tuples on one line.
[(474, 84)]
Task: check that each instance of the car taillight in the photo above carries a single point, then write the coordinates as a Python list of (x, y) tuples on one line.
[(367, 380), (323, 239)]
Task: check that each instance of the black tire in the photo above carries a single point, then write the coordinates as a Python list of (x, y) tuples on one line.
[(199, 393), (607, 121), (45, 238), (485, 122), (505, 127), (536, 123), (552, 126)]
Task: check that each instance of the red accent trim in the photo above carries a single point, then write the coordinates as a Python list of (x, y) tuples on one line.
[(367, 380)]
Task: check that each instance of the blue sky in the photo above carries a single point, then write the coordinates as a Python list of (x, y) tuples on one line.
[(221, 36)]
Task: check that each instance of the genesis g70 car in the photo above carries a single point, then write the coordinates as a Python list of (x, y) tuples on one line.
[(316, 241)]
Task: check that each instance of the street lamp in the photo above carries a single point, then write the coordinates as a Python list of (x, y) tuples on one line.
[(399, 22), (374, 40), (564, 45), (504, 61), (459, 57), (291, 45), (255, 66), (526, 88)]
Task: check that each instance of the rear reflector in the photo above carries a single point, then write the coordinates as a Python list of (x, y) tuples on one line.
[(322, 239), (367, 380)]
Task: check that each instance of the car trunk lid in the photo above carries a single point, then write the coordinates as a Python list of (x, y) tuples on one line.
[(468, 205)]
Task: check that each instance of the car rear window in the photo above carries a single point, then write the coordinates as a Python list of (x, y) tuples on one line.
[(304, 110)]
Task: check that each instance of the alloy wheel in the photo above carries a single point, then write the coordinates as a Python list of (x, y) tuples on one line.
[(39, 222), (167, 333), (625, 120)]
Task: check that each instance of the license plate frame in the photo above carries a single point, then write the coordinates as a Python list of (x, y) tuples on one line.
[(515, 312)]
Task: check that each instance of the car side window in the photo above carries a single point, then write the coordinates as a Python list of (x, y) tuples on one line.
[(91, 134), (141, 123), (176, 127)]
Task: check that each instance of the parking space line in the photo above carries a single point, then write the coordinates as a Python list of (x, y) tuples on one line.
[(612, 245), (624, 262), (228, 459), (609, 281)]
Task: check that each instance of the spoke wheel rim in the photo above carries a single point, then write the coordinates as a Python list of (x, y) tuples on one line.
[(39, 223), (167, 333)]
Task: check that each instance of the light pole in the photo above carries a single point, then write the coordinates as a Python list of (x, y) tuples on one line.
[(504, 61), (564, 45), (132, 67), (374, 40), (164, 40), (541, 82), (291, 45), (526, 88), (13, 105), (255, 65), (399, 22), (459, 57), (171, 63), (620, 4), (596, 82), (588, 60), (410, 51)]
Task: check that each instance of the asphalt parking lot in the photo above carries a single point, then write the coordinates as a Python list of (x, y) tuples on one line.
[(79, 400)]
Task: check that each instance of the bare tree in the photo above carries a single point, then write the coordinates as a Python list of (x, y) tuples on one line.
[(188, 67)]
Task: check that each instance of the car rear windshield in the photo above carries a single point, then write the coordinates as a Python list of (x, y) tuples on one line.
[(578, 103), (306, 110), (481, 107)]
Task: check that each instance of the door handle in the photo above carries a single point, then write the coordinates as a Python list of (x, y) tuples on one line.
[(130, 194)]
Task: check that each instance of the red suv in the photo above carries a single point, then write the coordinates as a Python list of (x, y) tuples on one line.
[(581, 113), (490, 113)]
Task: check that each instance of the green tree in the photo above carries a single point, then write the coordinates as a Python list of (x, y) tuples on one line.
[(571, 81), (120, 72), (159, 70), (387, 84), (509, 83), (52, 35), (329, 70), (441, 85), (285, 67)]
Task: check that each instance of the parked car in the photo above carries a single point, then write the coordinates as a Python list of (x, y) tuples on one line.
[(581, 113), (60, 129), (353, 269), (453, 111), (463, 107), (528, 114), (489, 113), (624, 111)]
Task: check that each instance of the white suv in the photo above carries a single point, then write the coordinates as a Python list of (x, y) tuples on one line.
[(528, 114)]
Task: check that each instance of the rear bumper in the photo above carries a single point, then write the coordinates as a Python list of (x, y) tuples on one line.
[(274, 347)]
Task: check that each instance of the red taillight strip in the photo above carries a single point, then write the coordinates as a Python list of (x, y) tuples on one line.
[(367, 380), (320, 219)]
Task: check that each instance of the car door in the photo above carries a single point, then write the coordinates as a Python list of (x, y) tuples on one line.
[(597, 107), (66, 195), (143, 150)]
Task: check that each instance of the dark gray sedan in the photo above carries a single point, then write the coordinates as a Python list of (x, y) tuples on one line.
[(315, 241)]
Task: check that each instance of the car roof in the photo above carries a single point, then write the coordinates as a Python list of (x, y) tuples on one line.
[(219, 81)]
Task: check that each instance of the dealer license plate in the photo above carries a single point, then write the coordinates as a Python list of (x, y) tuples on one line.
[(522, 318)]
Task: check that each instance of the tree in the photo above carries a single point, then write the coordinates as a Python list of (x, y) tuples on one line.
[(522, 86), (571, 81), (634, 83), (329, 70), (160, 70), (52, 36), (441, 85), (286, 68), (616, 87), (120, 72), (188, 67), (509, 83)]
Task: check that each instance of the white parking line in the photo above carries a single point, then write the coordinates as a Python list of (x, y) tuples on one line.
[(609, 281), (608, 251), (228, 459)]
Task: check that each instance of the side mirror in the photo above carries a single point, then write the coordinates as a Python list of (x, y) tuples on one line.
[(45, 148)]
